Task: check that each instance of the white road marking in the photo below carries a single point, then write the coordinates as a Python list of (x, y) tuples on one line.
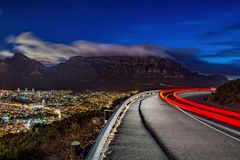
[(208, 125)]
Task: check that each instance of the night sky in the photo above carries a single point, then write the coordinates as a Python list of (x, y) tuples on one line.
[(208, 32)]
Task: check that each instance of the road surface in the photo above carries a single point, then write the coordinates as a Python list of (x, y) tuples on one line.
[(132, 140), (168, 133)]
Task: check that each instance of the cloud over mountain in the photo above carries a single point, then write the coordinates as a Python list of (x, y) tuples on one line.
[(53, 53), (5, 53)]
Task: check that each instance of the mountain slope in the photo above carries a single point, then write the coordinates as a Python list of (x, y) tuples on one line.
[(21, 71), (130, 72), (227, 96), (100, 73)]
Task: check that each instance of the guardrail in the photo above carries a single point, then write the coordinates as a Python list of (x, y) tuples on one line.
[(96, 150)]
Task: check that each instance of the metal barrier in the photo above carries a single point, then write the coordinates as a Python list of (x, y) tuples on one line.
[(95, 152)]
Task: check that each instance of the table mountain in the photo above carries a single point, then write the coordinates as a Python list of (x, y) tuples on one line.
[(101, 73)]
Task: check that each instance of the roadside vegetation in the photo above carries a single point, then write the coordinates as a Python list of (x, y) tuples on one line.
[(52, 141), (227, 96)]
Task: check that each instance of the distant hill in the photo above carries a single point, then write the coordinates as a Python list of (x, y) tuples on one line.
[(227, 95), (101, 73)]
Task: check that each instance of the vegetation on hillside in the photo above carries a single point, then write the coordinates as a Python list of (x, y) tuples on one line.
[(227, 96), (52, 141)]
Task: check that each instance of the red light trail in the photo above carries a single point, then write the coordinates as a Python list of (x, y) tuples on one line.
[(222, 115)]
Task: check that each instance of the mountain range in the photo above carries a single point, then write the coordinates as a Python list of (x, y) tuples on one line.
[(101, 73)]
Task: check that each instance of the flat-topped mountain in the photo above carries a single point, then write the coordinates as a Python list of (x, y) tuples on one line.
[(101, 73)]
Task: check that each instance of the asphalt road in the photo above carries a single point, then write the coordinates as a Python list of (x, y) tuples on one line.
[(195, 96), (132, 140), (178, 135), (184, 137), (198, 96)]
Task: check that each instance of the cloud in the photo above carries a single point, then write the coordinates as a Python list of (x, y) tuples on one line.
[(53, 53), (225, 53), (201, 65), (191, 59), (212, 33), (183, 51), (226, 56), (234, 43), (237, 62), (232, 52), (233, 27), (5, 53)]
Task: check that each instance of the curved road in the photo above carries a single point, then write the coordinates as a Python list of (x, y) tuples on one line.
[(168, 133), (132, 140)]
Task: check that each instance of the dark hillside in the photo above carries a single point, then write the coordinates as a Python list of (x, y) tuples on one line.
[(227, 95)]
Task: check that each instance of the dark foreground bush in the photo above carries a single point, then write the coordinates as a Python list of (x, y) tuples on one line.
[(227, 95), (52, 141)]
